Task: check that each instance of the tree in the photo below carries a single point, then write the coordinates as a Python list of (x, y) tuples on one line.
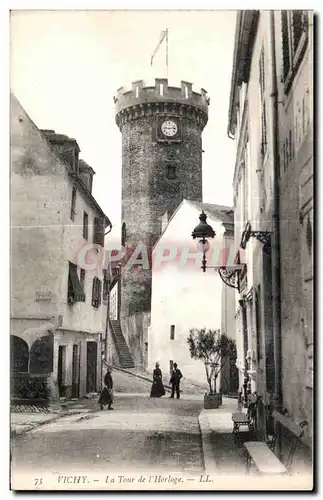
[(214, 348)]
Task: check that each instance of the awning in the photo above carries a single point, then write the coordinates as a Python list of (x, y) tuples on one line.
[(75, 290)]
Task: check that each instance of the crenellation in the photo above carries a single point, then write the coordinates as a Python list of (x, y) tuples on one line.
[(161, 92)]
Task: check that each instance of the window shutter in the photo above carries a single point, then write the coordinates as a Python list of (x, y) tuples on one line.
[(93, 291), (98, 230), (299, 21), (75, 290), (286, 55), (99, 292), (105, 284)]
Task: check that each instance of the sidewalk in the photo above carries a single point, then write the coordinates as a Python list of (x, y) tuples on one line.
[(22, 422), (221, 452)]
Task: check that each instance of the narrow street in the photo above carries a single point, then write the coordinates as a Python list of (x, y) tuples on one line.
[(141, 435)]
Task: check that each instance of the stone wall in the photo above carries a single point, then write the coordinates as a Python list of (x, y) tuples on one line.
[(135, 331), (297, 229)]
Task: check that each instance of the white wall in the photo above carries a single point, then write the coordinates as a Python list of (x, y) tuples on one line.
[(182, 295), (113, 311)]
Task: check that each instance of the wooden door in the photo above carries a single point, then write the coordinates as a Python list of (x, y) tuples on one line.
[(91, 366)]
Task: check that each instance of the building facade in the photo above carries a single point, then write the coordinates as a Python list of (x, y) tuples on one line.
[(271, 121), (58, 310), (184, 297), (161, 130)]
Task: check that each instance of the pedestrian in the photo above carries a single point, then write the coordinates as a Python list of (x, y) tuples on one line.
[(175, 381), (157, 389), (106, 396)]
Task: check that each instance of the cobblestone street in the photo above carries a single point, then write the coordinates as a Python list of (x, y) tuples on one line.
[(159, 435)]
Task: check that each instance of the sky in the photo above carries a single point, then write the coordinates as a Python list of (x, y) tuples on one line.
[(66, 66)]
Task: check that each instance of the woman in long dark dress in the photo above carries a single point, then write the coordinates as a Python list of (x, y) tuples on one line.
[(157, 389), (106, 396)]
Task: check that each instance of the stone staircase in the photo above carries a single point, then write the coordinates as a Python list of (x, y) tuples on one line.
[(125, 357)]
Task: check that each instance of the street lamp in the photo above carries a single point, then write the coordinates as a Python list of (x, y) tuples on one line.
[(230, 275), (202, 231)]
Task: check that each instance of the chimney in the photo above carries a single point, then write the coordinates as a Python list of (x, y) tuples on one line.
[(86, 174), (66, 148)]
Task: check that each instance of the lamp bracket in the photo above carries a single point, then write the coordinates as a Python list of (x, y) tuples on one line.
[(263, 236), (230, 277)]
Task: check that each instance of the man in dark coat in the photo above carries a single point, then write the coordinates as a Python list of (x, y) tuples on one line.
[(175, 381), (106, 396)]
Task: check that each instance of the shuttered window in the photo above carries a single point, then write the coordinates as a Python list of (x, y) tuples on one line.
[(263, 111), (85, 225), (75, 289), (73, 203), (294, 24), (98, 230), (96, 292), (105, 284)]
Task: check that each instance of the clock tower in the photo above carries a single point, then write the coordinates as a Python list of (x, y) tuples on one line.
[(161, 128)]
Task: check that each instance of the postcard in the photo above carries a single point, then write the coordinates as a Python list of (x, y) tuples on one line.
[(161, 199)]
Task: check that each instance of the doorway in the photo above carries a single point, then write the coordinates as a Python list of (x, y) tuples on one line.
[(76, 372), (91, 366), (61, 370)]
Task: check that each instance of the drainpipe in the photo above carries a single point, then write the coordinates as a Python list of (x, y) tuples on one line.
[(245, 348), (275, 245)]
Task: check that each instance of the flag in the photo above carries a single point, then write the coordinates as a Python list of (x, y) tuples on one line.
[(162, 36)]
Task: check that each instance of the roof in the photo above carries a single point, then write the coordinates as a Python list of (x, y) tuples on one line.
[(246, 29), (83, 166), (55, 138), (47, 135), (219, 213)]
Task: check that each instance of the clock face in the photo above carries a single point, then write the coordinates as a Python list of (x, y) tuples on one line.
[(169, 128)]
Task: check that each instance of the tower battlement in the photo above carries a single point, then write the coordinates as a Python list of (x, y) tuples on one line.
[(161, 93)]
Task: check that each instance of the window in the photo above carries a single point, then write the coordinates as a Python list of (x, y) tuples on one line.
[(171, 366), (172, 332), (82, 279), (98, 230), (171, 172), (73, 203), (105, 284), (96, 292), (75, 290), (263, 113), (294, 37), (85, 225)]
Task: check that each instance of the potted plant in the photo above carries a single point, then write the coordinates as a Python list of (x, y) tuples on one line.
[(215, 349)]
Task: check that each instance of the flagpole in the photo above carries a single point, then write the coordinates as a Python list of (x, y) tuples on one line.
[(167, 53)]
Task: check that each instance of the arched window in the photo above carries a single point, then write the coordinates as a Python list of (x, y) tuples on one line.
[(41, 356), (19, 354)]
